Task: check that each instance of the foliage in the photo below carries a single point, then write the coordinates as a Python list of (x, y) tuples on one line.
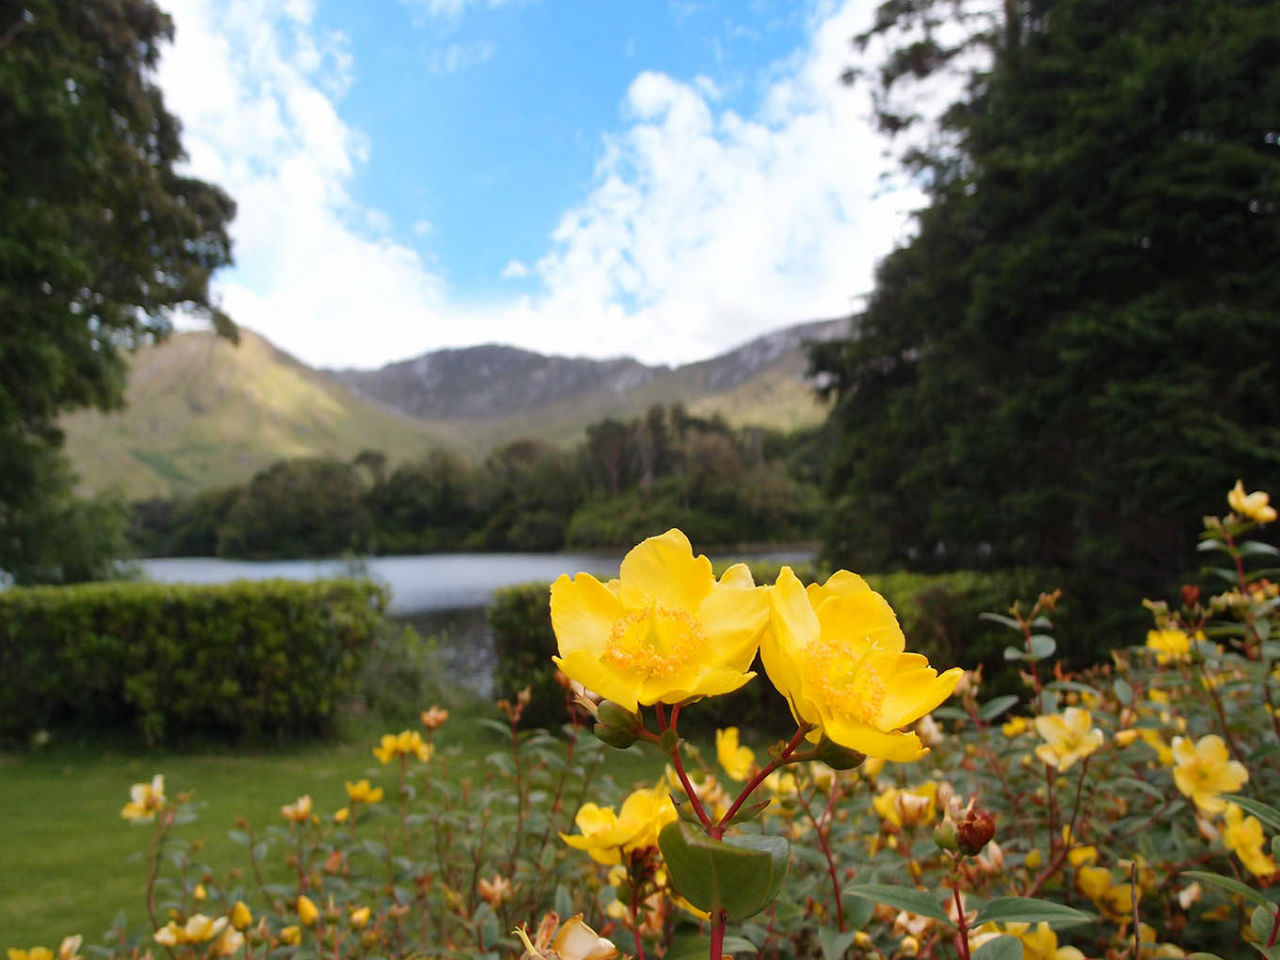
[(245, 659), (297, 508), (1122, 811), (625, 482), (102, 240), (1082, 334), (523, 644)]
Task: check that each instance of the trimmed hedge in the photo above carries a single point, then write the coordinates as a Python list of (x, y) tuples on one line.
[(242, 659)]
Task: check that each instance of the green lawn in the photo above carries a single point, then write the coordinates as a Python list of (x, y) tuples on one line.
[(70, 863)]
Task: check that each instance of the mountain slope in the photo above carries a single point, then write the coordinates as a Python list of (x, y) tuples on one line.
[(204, 413)]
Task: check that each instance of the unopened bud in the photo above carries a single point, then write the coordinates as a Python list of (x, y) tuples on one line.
[(975, 831), (837, 757), (946, 836), (616, 725), (1190, 595)]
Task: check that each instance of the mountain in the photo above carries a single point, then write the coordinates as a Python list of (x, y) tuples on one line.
[(493, 394), (202, 412)]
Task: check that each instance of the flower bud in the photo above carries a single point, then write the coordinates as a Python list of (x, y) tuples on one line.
[(975, 831), (946, 836), (616, 725), (837, 757)]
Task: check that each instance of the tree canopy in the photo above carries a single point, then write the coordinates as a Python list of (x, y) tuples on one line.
[(1077, 353), (101, 236)]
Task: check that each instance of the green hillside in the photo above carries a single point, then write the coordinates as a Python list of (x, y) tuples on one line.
[(203, 412)]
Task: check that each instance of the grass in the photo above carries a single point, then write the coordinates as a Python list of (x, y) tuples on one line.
[(71, 863)]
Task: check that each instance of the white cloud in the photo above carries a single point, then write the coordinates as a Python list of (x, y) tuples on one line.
[(459, 56), (515, 270), (256, 87), (421, 228), (702, 228)]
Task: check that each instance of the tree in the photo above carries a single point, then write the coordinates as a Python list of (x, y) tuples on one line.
[(1077, 353), (100, 238)]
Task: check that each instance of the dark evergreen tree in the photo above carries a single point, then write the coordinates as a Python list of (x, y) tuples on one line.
[(1078, 353), (100, 238)]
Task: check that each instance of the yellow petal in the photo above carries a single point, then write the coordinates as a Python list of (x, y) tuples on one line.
[(663, 570), (898, 747), (863, 619), (588, 670), (733, 617), (792, 626), (914, 690), (583, 611)]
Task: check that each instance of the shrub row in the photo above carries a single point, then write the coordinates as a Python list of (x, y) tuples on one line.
[(940, 614), (238, 660)]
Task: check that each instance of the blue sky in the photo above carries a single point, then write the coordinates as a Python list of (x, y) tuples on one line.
[(618, 177)]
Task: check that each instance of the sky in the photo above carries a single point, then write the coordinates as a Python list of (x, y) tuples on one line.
[(662, 179)]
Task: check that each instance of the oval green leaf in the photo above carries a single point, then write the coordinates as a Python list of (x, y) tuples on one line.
[(738, 875), (999, 948), (920, 902), (1030, 910)]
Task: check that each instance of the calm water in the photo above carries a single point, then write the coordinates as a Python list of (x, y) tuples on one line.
[(441, 595)]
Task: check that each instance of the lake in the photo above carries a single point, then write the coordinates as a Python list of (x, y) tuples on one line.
[(439, 594)]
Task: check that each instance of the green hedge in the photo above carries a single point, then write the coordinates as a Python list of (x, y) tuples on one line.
[(242, 659)]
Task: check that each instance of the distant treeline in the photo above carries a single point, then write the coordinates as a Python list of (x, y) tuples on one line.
[(625, 481)]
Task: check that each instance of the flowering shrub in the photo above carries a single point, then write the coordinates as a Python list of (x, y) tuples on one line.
[(1120, 812)]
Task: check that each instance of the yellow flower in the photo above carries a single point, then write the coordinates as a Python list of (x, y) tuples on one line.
[(1115, 900), (836, 653), (1252, 506), (69, 949), (1034, 859), (291, 936), (241, 917), (574, 941), (1079, 856), (199, 893), (736, 760), (1243, 835), (1069, 737), (35, 953), (144, 800), (361, 792), (665, 631), (494, 891), (1204, 770), (1014, 727), (342, 815), (606, 835), (230, 941), (359, 918), (1170, 646), (198, 929), (407, 743), (307, 911), (1038, 942), (1156, 742), (299, 811), (907, 807)]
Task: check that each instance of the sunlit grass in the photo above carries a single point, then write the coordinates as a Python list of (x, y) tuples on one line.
[(71, 863)]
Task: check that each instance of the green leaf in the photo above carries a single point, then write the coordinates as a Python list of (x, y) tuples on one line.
[(1009, 622), (1201, 955), (1042, 646), (1262, 922), (1123, 692), (1030, 910), (920, 902), (999, 948), (1267, 814), (739, 875), (563, 902), (1230, 884), (993, 708), (834, 943), (1013, 653), (1256, 548)]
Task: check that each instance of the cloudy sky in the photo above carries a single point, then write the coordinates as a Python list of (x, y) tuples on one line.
[(657, 178)]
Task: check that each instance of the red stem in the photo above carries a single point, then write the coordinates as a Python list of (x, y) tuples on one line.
[(826, 850), (962, 923), (717, 935), (1275, 931), (679, 765), (759, 778)]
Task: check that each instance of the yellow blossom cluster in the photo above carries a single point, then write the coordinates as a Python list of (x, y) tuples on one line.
[(667, 631), (407, 743), (145, 799), (606, 835)]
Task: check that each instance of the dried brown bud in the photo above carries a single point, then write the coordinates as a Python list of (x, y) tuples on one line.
[(1190, 595), (975, 831)]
